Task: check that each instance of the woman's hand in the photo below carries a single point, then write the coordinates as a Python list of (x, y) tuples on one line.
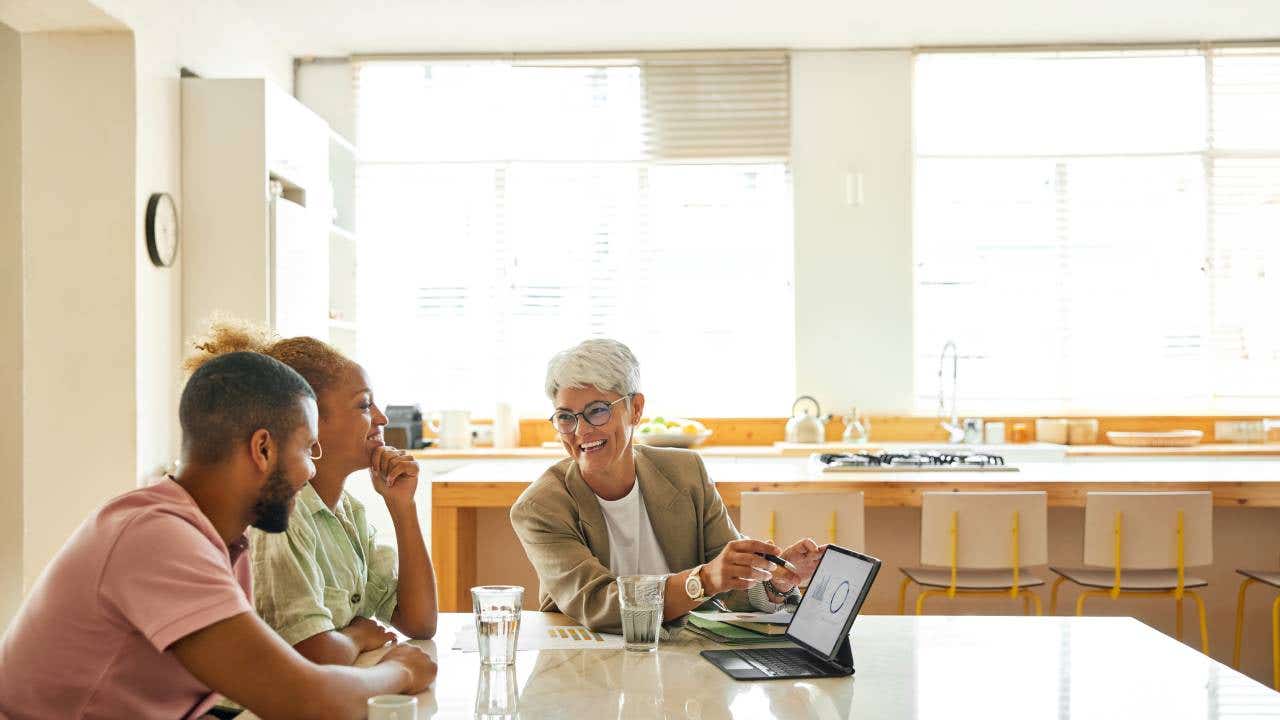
[(737, 567), (805, 555), (367, 634), (395, 475)]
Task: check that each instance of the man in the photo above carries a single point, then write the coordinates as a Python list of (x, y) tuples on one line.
[(146, 611)]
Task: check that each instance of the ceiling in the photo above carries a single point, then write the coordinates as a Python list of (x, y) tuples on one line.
[(341, 27)]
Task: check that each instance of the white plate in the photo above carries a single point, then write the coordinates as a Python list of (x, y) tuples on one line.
[(677, 440)]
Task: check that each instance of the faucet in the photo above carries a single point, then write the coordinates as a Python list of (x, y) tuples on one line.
[(954, 429)]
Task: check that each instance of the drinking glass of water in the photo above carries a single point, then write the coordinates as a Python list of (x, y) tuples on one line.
[(497, 609), (641, 597)]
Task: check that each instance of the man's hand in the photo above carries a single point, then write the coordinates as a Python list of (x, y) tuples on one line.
[(805, 555), (242, 658), (367, 634), (395, 475), (422, 669), (737, 567)]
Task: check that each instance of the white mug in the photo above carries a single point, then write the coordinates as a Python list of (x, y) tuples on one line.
[(453, 428), (393, 707)]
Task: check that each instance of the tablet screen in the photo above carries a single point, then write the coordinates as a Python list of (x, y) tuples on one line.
[(835, 594)]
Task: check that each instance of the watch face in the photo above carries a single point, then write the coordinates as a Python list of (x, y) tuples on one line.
[(162, 229), (693, 585)]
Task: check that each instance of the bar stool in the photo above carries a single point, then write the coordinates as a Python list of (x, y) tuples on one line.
[(1267, 577), (792, 515), (1147, 539), (982, 540)]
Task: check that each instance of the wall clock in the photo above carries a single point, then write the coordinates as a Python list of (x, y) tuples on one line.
[(162, 229)]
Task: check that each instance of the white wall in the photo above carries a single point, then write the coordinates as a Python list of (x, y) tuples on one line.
[(101, 339), (213, 39), (78, 337), (327, 88), (10, 321), (851, 113)]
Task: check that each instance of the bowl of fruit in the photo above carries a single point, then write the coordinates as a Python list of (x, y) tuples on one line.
[(672, 432)]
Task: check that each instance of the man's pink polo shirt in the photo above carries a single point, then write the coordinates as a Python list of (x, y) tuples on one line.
[(92, 639)]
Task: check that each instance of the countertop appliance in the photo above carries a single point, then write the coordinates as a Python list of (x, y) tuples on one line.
[(912, 461), (803, 427), (404, 427)]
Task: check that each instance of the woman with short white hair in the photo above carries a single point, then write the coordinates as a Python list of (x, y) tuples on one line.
[(614, 508)]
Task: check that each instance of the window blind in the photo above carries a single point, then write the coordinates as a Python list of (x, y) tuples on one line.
[(1086, 235), (1244, 236), (509, 208), (730, 107)]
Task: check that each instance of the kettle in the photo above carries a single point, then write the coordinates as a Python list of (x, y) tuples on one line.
[(806, 428)]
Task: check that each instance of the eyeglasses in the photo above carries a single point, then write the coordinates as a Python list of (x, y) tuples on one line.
[(317, 452), (596, 414)]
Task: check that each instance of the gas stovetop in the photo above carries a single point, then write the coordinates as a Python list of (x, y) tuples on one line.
[(924, 460)]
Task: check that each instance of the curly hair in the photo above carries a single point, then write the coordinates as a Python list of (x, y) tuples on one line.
[(318, 362)]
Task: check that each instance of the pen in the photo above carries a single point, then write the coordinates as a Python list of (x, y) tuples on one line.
[(778, 561)]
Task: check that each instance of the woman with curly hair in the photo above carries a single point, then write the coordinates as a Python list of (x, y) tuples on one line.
[(325, 583)]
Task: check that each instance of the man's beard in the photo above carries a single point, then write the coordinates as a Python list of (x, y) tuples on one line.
[(271, 509)]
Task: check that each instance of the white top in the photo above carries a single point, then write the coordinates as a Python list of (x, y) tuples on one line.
[(633, 548)]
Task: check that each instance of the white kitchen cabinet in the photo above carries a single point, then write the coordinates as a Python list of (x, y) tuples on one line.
[(245, 254)]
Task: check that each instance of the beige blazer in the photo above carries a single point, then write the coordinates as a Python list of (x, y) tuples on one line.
[(562, 528)]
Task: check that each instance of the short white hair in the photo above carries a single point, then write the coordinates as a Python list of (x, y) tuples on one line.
[(604, 364)]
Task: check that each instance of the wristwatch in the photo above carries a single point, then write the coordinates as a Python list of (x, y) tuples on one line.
[(693, 585)]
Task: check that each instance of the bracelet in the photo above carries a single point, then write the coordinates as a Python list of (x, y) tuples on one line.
[(790, 597)]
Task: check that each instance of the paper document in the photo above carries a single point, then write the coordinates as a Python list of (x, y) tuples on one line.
[(778, 618), (567, 637)]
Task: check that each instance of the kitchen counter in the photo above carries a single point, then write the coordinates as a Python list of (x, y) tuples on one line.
[(554, 453), (1201, 450), (492, 484), (782, 450), (455, 496)]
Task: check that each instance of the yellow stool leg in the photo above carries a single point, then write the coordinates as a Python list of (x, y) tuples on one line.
[(1039, 609), (924, 594), (1080, 604), (1177, 626), (902, 596), (1275, 644), (1204, 625), (1053, 596), (1235, 652)]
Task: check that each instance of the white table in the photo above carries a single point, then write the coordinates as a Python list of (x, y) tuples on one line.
[(936, 667)]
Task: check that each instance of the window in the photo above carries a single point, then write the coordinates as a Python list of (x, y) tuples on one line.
[(1099, 232), (509, 209)]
